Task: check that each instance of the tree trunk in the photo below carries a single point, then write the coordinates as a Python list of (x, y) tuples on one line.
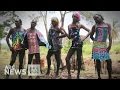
[(46, 29)]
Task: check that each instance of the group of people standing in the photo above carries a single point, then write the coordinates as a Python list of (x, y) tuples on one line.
[(32, 38)]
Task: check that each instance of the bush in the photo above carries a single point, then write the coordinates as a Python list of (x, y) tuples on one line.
[(43, 50), (115, 48), (87, 48), (66, 46)]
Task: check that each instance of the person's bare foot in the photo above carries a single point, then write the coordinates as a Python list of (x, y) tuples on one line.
[(56, 77), (47, 76), (109, 77), (38, 77), (7, 76), (69, 76), (19, 77), (99, 77), (30, 77), (78, 77)]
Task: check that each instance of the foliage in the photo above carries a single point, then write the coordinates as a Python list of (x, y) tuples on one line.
[(1, 31)]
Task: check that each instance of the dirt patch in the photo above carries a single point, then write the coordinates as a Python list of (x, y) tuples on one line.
[(88, 73), (116, 67)]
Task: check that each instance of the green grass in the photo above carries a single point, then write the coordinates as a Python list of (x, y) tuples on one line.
[(115, 48), (43, 50), (87, 49), (66, 46)]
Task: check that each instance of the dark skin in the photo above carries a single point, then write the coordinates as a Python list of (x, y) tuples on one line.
[(99, 21), (15, 52), (33, 24), (7, 39), (18, 25), (61, 30), (75, 24), (80, 26), (32, 28), (58, 55)]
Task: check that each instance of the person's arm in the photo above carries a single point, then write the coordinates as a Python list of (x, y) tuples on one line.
[(63, 32), (25, 31), (92, 33), (25, 41), (7, 39), (82, 26), (43, 42), (89, 32), (110, 38)]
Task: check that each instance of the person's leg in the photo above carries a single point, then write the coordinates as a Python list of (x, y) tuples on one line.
[(58, 58), (74, 67), (13, 59), (50, 53), (95, 66), (109, 68), (83, 64), (69, 54), (30, 57), (79, 53), (21, 57), (61, 62), (37, 58), (98, 67)]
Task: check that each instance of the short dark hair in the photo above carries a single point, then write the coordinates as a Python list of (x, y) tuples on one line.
[(34, 21), (18, 20), (99, 15)]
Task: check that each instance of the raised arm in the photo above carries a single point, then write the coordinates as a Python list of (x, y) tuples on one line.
[(63, 32)]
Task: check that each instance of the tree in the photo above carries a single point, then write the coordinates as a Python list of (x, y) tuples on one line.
[(43, 14), (9, 20), (88, 15), (62, 14), (9, 17), (1, 34), (115, 27)]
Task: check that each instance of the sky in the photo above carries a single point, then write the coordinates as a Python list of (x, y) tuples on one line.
[(40, 25), (24, 15)]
